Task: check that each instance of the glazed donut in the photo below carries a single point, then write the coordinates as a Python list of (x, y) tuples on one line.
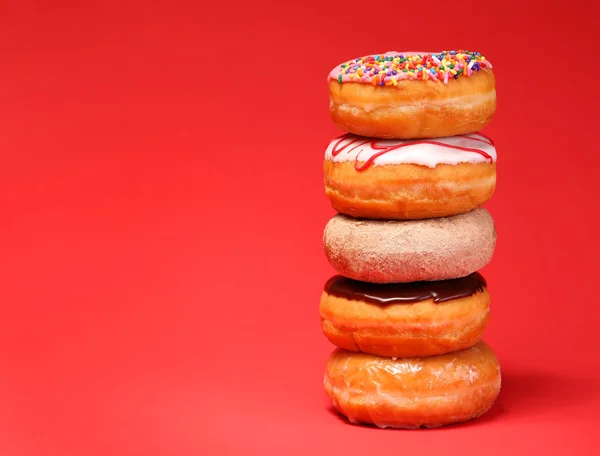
[(388, 251), (396, 179), (403, 320), (410, 95), (413, 392)]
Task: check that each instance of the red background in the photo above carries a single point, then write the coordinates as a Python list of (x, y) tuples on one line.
[(162, 213)]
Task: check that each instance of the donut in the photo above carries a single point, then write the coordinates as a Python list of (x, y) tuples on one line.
[(413, 392), (409, 179), (403, 320), (413, 95), (387, 251)]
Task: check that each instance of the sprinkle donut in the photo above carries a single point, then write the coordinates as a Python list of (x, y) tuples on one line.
[(408, 95), (409, 179)]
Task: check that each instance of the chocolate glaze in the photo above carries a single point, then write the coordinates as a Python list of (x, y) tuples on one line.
[(405, 293)]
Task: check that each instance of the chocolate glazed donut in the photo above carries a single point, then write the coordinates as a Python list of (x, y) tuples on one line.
[(405, 319)]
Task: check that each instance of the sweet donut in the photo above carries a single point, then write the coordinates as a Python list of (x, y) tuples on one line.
[(388, 251), (396, 179), (403, 320), (413, 392), (413, 95)]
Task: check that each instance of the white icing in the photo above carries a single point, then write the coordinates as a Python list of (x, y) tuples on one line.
[(360, 149)]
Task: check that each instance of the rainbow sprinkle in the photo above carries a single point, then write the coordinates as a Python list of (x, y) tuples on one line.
[(387, 69)]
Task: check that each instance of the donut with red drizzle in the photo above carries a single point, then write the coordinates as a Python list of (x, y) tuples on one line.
[(380, 148), (409, 179), (413, 95)]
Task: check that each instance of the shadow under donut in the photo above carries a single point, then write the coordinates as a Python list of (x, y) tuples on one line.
[(522, 394)]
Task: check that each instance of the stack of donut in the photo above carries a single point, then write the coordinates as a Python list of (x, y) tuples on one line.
[(408, 308)]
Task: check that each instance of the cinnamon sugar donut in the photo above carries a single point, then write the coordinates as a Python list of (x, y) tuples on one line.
[(413, 95), (396, 179), (404, 320), (387, 251), (413, 392)]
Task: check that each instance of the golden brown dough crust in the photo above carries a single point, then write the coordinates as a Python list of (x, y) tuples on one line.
[(423, 328), (408, 191), (414, 109), (413, 392)]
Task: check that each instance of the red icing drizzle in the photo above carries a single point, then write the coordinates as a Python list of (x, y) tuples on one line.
[(358, 141)]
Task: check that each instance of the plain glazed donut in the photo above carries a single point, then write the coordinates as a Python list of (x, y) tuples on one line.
[(405, 320), (388, 251), (409, 95), (413, 392), (396, 179)]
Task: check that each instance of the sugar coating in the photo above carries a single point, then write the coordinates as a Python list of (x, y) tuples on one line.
[(382, 251)]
